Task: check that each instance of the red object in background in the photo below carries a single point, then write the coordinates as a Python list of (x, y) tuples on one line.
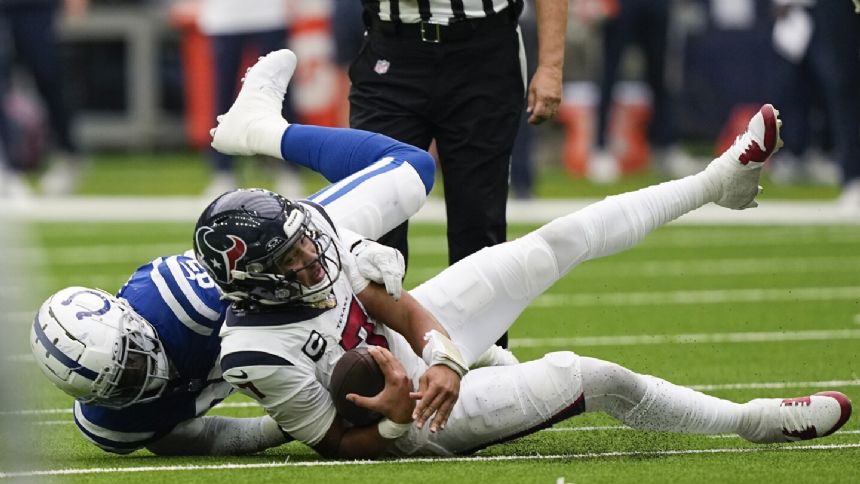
[(197, 63), (737, 123), (578, 119), (316, 80), (588, 12), (628, 127)]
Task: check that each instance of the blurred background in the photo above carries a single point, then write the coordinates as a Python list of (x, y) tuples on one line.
[(104, 99), (116, 97)]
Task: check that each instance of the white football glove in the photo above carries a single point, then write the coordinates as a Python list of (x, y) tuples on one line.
[(380, 264)]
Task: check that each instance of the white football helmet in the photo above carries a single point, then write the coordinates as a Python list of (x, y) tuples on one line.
[(94, 347)]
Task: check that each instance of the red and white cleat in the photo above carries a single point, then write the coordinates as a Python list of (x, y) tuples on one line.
[(739, 167), (771, 420), (254, 125)]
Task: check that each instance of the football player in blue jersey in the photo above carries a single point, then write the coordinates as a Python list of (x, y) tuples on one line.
[(143, 365)]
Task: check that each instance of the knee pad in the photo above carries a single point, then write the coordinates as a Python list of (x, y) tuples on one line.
[(556, 376), (526, 394), (611, 387), (567, 239), (533, 268), (497, 403)]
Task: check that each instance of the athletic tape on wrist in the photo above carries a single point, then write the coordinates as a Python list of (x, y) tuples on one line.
[(440, 350), (390, 429)]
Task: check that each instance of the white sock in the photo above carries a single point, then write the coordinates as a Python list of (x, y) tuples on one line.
[(673, 408), (265, 135), (648, 403), (220, 436)]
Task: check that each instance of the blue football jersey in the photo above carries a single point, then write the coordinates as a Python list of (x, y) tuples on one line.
[(184, 306)]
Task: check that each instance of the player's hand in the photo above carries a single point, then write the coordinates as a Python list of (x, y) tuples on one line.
[(393, 401), (438, 390), (382, 265), (544, 96)]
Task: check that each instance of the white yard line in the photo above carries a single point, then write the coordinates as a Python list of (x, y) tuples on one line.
[(776, 385), (733, 436), (551, 429), (649, 298), (509, 458), (640, 339), (87, 254), (714, 267), (611, 269), (655, 339), (625, 428), (708, 296), (72, 255), (187, 209), (700, 387)]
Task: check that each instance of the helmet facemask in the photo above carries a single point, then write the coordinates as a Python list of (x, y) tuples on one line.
[(139, 371), (264, 282)]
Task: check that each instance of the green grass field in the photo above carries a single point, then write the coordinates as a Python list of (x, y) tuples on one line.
[(187, 173), (739, 312)]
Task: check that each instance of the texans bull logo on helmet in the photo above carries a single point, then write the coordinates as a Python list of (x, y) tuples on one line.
[(230, 247)]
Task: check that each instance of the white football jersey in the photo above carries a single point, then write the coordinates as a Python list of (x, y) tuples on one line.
[(284, 357)]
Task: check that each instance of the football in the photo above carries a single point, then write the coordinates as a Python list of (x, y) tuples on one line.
[(356, 372)]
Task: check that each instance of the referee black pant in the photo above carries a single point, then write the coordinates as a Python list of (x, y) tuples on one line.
[(467, 93)]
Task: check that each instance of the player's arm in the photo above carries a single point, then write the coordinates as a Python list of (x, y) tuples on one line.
[(220, 436), (393, 402), (302, 407), (439, 387), (544, 92)]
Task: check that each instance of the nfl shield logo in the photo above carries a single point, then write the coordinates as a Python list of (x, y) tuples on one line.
[(381, 66)]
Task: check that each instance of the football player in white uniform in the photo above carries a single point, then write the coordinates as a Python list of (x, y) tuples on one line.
[(143, 365), (299, 304)]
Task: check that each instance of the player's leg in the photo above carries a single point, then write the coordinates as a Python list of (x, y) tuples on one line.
[(477, 299), (501, 403), (649, 403), (381, 182), (387, 181), (220, 436)]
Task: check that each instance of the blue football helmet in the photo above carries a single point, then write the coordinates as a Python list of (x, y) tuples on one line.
[(242, 235)]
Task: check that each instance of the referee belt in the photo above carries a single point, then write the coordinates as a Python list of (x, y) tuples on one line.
[(438, 33)]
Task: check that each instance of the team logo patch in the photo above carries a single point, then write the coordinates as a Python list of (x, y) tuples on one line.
[(230, 249), (83, 314), (381, 66)]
